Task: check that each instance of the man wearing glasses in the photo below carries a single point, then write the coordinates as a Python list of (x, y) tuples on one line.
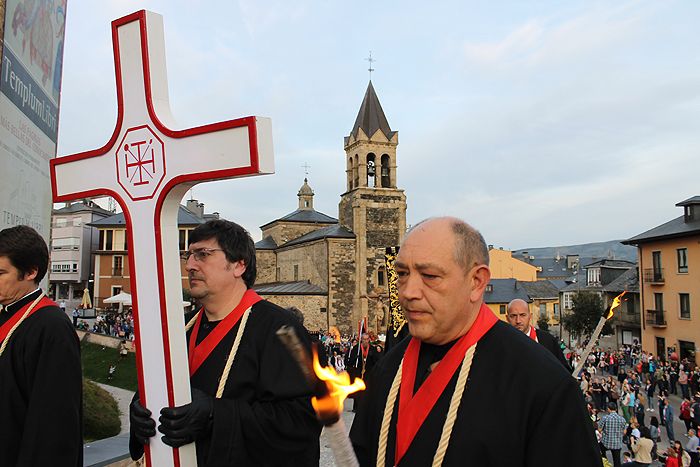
[(259, 412)]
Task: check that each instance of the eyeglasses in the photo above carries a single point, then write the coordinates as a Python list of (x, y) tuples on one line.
[(200, 254)]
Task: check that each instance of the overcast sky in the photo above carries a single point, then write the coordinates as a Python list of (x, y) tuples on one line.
[(541, 123)]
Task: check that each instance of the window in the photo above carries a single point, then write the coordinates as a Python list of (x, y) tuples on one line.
[(568, 301), (593, 276), (55, 267), (502, 309), (543, 310), (684, 299), (116, 289), (656, 263), (658, 301), (109, 237), (682, 255), (70, 243), (61, 222), (101, 241), (555, 309), (296, 272), (380, 276), (181, 239), (117, 265), (323, 309), (277, 276), (75, 267), (489, 288)]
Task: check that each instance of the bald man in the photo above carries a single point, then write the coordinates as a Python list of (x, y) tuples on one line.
[(519, 316), (465, 388)]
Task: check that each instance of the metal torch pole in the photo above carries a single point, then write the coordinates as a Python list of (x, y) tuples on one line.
[(589, 347)]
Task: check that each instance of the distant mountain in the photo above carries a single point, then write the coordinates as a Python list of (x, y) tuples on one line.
[(611, 249)]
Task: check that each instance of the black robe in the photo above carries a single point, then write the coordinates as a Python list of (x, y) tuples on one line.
[(265, 416), (353, 365), (519, 408), (550, 343), (41, 409)]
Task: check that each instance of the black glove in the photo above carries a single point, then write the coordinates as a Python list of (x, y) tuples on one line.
[(185, 424), (142, 426)]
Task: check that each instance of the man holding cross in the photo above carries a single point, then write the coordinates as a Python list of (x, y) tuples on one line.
[(40, 372), (250, 403), (467, 388)]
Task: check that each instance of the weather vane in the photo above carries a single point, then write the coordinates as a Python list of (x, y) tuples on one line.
[(306, 168), (370, 60)]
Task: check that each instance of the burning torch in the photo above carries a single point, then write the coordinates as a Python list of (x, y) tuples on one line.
[(331, 389), (617, 301)]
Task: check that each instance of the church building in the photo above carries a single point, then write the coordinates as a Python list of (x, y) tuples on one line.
[(333, 269)]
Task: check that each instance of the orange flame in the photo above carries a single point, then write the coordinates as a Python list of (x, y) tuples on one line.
[(339, 388), (617, 301)]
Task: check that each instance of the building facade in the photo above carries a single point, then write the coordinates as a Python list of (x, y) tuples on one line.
[(669, 261), (73, 239)]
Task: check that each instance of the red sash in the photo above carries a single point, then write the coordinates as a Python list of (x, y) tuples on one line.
[(364, 352), (533, 334), (5, 328), (199, 353), (414, 409)]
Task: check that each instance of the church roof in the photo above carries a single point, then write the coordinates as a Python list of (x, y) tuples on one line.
[(267, 243), (184, 217), (289, 288), (82, 207), (371, 116), (307, 216), (332, 231)]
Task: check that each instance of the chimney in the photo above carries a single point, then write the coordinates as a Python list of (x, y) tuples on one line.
[(196, 208)]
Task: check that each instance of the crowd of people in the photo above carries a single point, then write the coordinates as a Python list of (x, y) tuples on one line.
[(111, 323), (627, 396)]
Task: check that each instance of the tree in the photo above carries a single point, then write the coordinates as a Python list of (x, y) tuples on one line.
[(586, 311), (543, 323)]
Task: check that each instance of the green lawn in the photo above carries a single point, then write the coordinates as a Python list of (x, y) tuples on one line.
[(96, 363)]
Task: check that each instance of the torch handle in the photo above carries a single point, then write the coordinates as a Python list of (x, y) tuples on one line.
[(589, 347), (340, 444)]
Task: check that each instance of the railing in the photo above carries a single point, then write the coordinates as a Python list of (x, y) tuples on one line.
[(656, 318), (654, 276), (117, 271)]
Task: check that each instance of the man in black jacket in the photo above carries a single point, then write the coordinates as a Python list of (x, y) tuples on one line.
[(519, 316)]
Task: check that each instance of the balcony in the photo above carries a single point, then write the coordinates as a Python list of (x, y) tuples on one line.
[(654, 276), (656, 318), (117, 272)]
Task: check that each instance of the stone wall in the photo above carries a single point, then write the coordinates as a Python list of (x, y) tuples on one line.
[(312, 306), (311, 260), (341, 291), (282, 232), (266, 263), (345, 211)]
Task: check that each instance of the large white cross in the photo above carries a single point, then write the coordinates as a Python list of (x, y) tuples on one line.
[(148, 167)]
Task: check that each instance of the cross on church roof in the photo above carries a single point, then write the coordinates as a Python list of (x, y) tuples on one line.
[(370, 60), (306, 168)]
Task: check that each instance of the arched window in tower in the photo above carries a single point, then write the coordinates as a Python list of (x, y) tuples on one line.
[(386, 177), (350, 174), (355, 171), (371, 170)]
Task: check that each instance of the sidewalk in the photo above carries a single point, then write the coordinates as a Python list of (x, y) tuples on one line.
[(123, 398)]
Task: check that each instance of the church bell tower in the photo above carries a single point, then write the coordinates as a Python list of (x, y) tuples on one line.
[(373, 206)]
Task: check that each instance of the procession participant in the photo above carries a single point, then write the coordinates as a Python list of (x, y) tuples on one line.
[(420, 409), (519, 316), (261, 414), (40, 372), (361, 359)]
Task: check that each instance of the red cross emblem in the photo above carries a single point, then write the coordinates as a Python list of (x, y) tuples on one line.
[(140, 162)]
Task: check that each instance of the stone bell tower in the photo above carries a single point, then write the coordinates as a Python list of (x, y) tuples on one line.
[(372, 206)]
